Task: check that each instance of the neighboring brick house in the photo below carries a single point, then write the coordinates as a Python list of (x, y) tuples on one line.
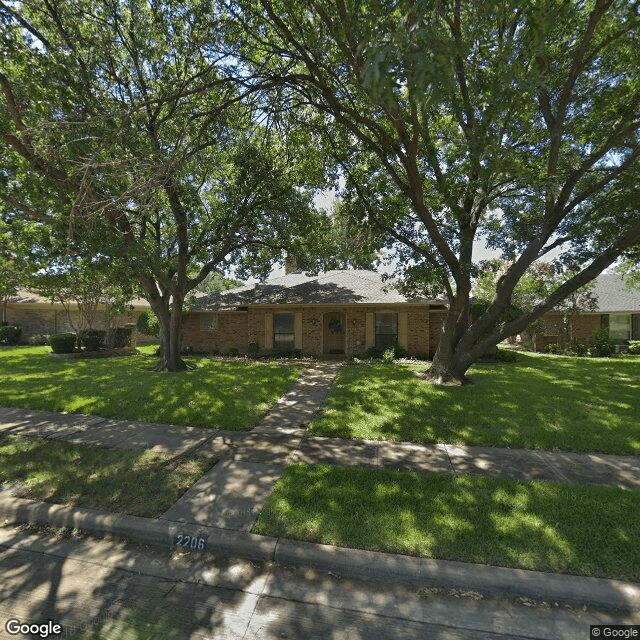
[(337, 313), (617, 308), (37, 315)]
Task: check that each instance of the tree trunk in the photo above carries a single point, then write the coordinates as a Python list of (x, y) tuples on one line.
[(449, 366), (170, 321)]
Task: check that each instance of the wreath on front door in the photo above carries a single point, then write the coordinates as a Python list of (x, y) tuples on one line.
[(335, 326)]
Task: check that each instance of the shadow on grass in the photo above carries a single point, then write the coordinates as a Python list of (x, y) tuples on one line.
[(539, 402), (532, 525), (229, 395), (133, 482)]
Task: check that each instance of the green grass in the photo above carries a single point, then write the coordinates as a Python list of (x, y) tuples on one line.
[(227, 395), (544, 526), (538, 402), (135, 482)]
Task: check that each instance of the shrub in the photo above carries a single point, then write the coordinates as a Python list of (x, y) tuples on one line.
[(147, 323), (505, 355), (634, 347), (389, 355), (552, 348), (377, 353), (601, 344), (254, 349), (10, 334), (92, 339), (63, 342), (287, 353), (580, 349), (38, 340), (234, 351), (120, 337)]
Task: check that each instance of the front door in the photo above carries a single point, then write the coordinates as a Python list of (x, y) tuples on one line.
[(333, 334)]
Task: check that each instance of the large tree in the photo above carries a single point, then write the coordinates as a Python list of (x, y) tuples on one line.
[(121, 122), (512, 121)]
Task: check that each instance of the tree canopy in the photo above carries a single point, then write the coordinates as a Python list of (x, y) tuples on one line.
[(516, 122), (124, 124)]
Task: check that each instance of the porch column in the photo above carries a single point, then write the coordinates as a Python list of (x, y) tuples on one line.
[(370, 331), (297, 330), (403, 335), (268, 330)]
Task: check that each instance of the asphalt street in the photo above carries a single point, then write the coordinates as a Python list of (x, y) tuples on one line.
[(122, 591)]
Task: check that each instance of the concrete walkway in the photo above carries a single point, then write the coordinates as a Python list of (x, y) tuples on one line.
[(232, 494)]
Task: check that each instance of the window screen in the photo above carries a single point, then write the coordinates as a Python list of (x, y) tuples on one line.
[(283, 332), (620, 326), (386, 330)]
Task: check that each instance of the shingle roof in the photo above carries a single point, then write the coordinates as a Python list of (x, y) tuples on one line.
[(332, 287), (26, 296), (612, 296)]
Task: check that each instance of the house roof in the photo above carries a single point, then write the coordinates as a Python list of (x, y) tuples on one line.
[(612, 296), (333, 287), (26, 296)]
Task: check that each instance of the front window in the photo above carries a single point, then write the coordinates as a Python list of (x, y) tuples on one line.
[(209, 321), (283, 332), (386, 330), (620, 327)]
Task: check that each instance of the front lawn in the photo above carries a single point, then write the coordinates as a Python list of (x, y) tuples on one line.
[(543, 526), (538, 402), (135, 482), (217, 395)]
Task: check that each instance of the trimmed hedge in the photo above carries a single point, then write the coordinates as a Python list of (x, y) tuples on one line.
[(10, 334), (63, 342), (120, 337), (92, 339)]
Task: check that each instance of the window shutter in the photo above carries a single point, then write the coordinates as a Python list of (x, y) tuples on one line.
[(268, 330), (403, 337), (297, 330), (370, 331), (635, 326), (604, 321)]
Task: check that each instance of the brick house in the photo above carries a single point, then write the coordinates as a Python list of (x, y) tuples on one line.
[(37, 315), (617, 308), (337, 313)]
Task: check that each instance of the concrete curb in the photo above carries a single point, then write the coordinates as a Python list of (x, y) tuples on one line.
[(347, 563)]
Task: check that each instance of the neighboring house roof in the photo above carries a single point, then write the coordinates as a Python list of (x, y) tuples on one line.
[(612, 296), (25, 296), (333, 287)]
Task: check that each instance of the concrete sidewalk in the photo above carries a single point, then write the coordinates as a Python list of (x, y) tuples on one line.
[(280, 439)]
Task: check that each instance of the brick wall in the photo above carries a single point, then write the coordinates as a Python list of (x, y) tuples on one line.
[(228, 330), (49, 320), (418, 330), (238, 329), (581, 329)]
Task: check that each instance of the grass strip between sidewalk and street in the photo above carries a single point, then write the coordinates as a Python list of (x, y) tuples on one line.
[(542, 526), (538, 402), (135, 482), (232, 394)]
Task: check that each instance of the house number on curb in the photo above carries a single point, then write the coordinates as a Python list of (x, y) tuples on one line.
[(195, 543)]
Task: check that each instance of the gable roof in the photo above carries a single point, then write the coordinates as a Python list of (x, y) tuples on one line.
[(613, 297), (26, 296), (351, 286)]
